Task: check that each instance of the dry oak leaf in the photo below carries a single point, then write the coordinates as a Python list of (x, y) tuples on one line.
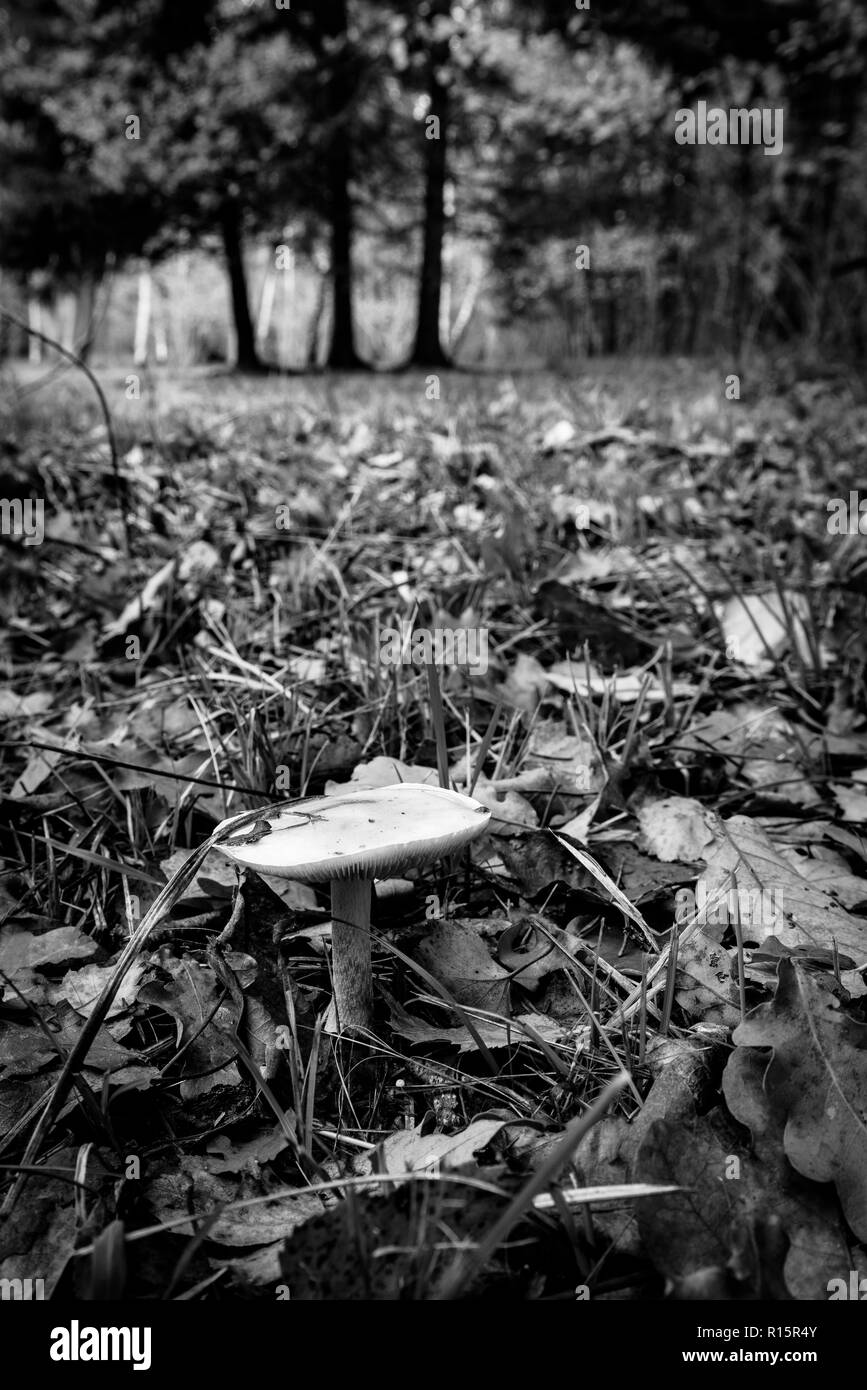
[(728, 1207), (786, 904), (817, 1082), (748, 873)]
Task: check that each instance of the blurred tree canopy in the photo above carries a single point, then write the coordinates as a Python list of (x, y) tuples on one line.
[(520, 130)]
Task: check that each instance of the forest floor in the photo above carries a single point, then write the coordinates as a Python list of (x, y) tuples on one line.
[(648, 976)]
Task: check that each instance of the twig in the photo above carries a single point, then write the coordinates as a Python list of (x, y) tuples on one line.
[(109, 426)]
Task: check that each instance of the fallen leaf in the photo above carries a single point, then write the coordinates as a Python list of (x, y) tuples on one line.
[(772, 897), (22, 951), (24, 1051), (193, 1190), (506, 1032), (82, 988), (674, 828), (40, 766), (410, 1151), (456, 956), (529, 953), (38, 1236), (644, 879), (706, 987), (206, 1016), (526, 683), (217, 876), (829, 871), (725, 1216), (851, 800), (260, 1269), (537, 860), (383, 772), (816, 1078), (511, 812), (252, 1154), (756, 630), (571, 760), (571, 676), (13, 706)]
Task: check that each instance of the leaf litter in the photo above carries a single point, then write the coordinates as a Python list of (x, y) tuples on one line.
[(671, 886)]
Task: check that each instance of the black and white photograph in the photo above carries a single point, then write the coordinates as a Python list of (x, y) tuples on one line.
[(433, 719)]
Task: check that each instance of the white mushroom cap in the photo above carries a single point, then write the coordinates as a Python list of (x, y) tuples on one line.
[(364, 834)]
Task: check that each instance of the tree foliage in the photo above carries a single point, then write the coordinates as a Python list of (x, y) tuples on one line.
[(526, 129)]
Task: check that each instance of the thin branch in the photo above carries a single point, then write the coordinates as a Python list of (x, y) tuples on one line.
[(109, 426)]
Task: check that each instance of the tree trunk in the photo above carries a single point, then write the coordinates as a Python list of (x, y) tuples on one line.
[(342, 354), (34, 319), (428, 349), (316, 319), (160, 319), (84, 314), (742, 304), (246, 357), (266, 307), (467, 308), (142, 319)]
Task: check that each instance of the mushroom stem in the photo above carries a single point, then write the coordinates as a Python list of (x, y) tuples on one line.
[(350, 952)]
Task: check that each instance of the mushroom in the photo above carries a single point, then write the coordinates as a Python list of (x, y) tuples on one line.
[(348, 841)]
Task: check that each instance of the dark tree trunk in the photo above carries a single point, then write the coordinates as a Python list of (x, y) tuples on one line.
[(742, 305), (246, 357), (428, 350), (342, 354)]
